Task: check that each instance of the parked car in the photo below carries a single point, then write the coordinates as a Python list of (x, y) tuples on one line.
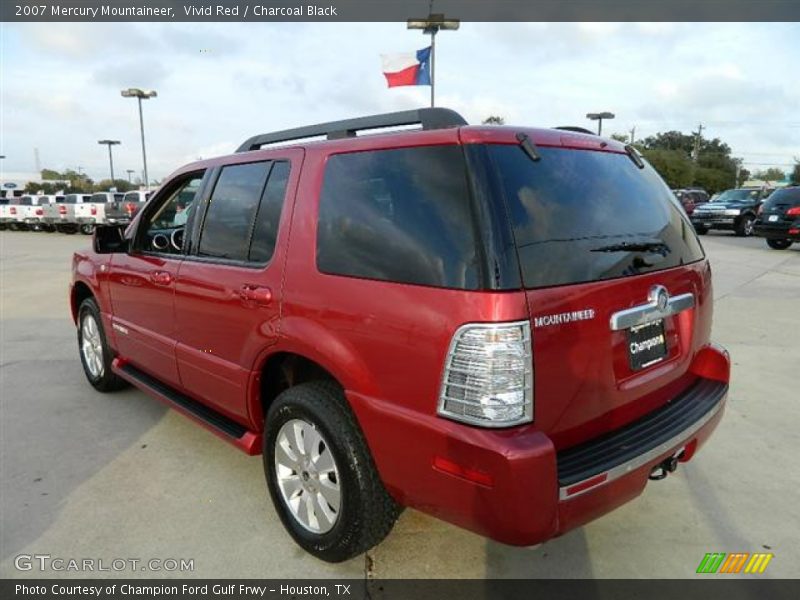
[(454, 323), (22, 214), (779, 218), (66, 216), (690, 198), (124, 207), (734, 209), (32, 209), (7, 217)]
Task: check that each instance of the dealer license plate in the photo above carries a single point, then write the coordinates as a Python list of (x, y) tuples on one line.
[(647, 344)]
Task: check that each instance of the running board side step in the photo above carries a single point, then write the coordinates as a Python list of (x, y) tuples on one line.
[(217, 423)]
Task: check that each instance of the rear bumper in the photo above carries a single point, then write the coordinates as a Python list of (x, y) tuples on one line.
[(777, 232), (87, 220), (512, 485)]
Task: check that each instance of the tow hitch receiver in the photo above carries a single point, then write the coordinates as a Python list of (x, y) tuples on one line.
[(660, 471)]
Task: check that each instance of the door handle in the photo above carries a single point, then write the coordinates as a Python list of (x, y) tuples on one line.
[(161, 277), (256, 293)]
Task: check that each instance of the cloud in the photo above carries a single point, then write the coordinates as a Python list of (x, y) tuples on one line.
[(144, 74)]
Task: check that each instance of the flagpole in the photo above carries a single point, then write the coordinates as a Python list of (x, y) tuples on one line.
[(432, 24), (433, 64)]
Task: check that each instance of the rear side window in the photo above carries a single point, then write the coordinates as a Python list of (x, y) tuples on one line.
[(572, 210), (231, 209), (265, 232), (399, 215)]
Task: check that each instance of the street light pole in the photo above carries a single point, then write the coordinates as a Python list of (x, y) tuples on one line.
[(141, 95), (599, 118), (130, 172), (110, 143), (431, 26)]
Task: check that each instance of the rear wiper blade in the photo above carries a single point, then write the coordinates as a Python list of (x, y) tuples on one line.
[(633, 247), (634, 156), (528, 147)]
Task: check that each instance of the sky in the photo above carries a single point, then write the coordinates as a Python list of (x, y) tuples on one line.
[(220, 83)]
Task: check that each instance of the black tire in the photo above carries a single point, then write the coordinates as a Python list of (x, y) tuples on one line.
[(87, 229), (701, 229), (744, 228), (366, 513), (70, 229), (779, 244), (105, 380)]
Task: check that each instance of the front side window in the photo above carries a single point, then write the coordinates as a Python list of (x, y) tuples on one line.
[(400, 215), (231, 211), (163, 229)]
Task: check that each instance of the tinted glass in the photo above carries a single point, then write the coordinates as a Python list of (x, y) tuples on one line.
[(99, 198), (265, 232), (72, 198), (231, 210), (570, 209), (787, 197), (26, 201), (399, 215), (740, 195)]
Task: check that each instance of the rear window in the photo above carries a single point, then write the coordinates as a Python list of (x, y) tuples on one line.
[(132, 197), (571, 210), (26, 201), (72, 198), (398, 215), (98, 198), (789, 197)]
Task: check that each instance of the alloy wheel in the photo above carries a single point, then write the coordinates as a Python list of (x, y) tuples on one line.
[(307, 476)]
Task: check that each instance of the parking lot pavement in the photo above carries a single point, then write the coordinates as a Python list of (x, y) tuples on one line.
[(87, 475)]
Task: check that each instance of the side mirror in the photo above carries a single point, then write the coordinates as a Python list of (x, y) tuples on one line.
[(110, 239)]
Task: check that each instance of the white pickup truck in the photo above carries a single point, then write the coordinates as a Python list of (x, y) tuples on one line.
[(56, 216), (90, 212), (6, 217)]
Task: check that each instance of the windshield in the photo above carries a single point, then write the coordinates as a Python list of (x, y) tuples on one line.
[(740, 195), (580, 215)]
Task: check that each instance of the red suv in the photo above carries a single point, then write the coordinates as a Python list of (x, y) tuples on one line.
[(507, 328)]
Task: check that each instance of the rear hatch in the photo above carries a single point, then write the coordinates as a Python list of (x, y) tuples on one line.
[(600, 240), (781, 209)]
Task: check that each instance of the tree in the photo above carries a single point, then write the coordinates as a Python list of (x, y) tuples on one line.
[(122, 185), (494, 120), (795, 177), (771, 174), (673, 166)]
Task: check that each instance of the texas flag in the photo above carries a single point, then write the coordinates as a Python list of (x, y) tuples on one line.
[(408, 68)]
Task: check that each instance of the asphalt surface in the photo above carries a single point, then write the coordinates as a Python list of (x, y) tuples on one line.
[(88, 475)]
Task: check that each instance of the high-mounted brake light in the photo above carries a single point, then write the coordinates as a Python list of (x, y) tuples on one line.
[(488, 375)]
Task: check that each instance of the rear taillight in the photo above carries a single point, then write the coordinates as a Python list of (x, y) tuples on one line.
[(793, 212), (130, 207), (488, 375), (62, 210), (93, 210), (13, 210), (39, 212)]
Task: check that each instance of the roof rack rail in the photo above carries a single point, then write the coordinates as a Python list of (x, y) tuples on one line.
[(575, 129), (429, 118)]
